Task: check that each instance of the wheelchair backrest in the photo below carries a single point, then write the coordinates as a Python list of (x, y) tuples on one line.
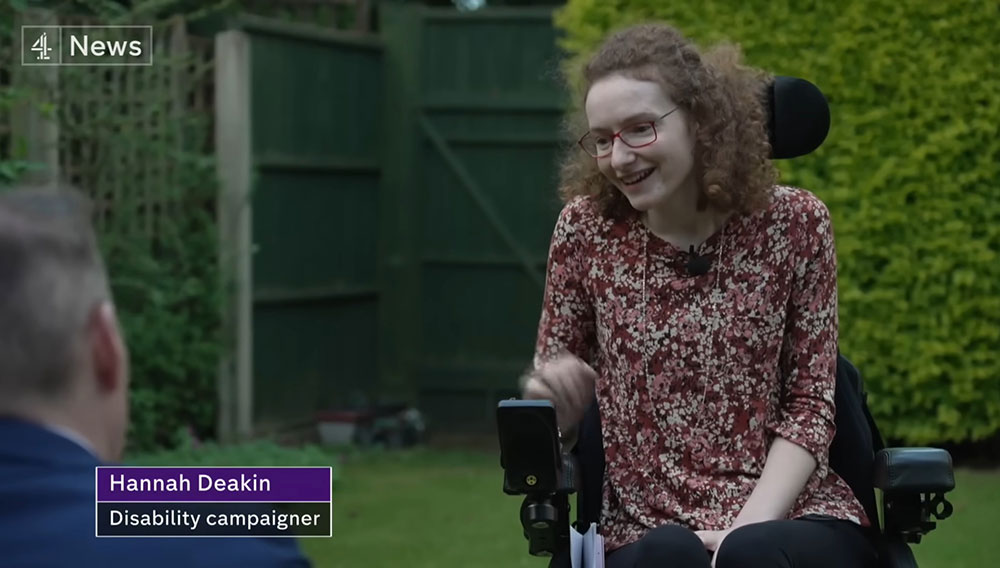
[(852, 452)]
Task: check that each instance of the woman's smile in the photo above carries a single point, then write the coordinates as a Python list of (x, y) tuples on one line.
[(632, 179)]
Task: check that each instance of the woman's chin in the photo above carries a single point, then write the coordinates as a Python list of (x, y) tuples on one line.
[(639, 200), (644, 196)]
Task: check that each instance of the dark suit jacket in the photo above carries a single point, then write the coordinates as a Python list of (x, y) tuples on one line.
[(47, 516)]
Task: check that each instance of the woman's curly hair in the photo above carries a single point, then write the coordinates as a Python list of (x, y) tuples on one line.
[(725, 103)]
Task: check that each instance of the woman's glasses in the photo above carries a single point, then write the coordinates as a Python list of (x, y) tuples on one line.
[(634, 136)]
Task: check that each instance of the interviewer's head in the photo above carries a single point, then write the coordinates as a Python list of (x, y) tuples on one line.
[(63, 361)]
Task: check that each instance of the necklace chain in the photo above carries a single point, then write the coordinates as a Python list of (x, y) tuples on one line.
[(645, 303)]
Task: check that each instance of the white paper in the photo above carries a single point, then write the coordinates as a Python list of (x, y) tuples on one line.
[(575, 548), (586, 550), (593, 548)]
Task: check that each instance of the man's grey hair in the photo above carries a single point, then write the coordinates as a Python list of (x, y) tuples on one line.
[(51, 279)]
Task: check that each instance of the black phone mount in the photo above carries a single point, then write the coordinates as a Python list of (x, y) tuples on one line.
[(535, 466)]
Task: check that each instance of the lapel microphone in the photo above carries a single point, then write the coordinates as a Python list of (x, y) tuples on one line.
[(697, 265)]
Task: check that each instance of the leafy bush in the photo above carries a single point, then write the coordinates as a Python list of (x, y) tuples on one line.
[(910, 171)]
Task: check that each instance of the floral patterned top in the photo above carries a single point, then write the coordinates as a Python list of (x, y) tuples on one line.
[(698, 374)]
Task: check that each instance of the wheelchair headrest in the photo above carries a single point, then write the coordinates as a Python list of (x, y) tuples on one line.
[(799, 117)]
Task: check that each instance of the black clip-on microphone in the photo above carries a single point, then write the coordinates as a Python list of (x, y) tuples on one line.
[(697, 265)]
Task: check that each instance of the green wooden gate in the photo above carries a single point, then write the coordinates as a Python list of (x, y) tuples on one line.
[(477, 110), (309, 312), (402, 206)]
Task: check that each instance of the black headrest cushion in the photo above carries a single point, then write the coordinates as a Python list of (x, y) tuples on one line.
[(799, 117)]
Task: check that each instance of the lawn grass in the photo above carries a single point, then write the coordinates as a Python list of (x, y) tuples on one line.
[(423, 509), (968, 539), (436, 508)]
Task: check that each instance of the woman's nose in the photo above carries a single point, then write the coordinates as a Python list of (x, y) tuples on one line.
[(621, 154)]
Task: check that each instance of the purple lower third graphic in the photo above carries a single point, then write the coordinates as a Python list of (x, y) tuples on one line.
[(214, 501)]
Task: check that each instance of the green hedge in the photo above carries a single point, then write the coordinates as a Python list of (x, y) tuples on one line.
[(910, 171)]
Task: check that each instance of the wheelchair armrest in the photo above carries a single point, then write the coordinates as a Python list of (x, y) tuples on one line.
[(920, 470), (913, 482)]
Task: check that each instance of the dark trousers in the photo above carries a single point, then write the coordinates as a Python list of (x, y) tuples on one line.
[(812, 543)]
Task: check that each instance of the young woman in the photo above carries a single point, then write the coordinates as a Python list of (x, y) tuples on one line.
[(697, 300)]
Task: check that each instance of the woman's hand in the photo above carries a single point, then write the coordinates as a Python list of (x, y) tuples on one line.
[(713, 541), (569, 383)]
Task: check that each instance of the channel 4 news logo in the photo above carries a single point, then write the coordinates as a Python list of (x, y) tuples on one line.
[(87, 45)]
